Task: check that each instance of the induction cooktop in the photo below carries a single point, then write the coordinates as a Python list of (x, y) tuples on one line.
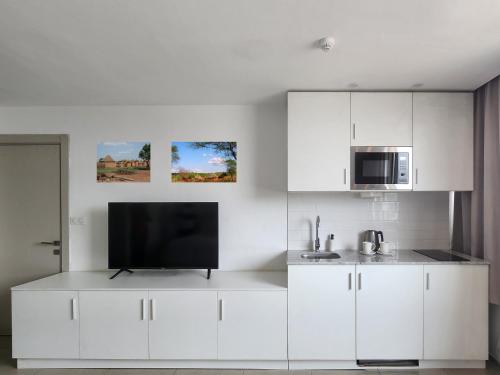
[(442, 255)]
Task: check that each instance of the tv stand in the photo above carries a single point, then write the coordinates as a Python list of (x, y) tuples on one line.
[(209, 272), (120, 271)]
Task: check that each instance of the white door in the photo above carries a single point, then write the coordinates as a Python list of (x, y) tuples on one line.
[(389, 312), (381, 119), (252, 325), (318, 141), (45, 324), (183, 325), (443, 141), (29, 214), (321, 313), (456, 312), (114, 324)]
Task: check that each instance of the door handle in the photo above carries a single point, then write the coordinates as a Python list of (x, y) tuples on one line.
[(353, 130), (349, 282), (427, 281), (221, 310), (416, 176), (51, 243), (345, 176), (359, 281)]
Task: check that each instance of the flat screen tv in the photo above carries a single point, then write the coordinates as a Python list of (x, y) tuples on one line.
[(180, 235)]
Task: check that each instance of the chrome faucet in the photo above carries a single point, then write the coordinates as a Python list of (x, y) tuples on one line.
[(316, 242)]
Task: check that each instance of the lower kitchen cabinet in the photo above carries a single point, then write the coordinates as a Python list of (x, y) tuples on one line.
[(114, 324), (321, 312), (456, 312), (45, 324), (389, 311), (252, 325), (183, 325)]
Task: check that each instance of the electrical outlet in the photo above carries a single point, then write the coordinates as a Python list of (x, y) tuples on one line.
[(77, 220)]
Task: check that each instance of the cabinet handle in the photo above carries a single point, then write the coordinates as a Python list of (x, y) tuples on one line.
[(359, 281), (353, 130), (349, 283), (153, 308), (416, 176), (144, 314), (221, 310), (427, 281), (345, 176), (74, 309)]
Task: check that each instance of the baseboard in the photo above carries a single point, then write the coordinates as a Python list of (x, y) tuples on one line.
[(220, 364), (352, 365), (323, 365), (452, 364), (149, 363)]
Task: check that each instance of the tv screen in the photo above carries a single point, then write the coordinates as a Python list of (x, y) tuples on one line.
[(163, 235)]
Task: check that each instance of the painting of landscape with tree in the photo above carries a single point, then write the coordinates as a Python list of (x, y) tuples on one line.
[(123, 161), (204, 161)]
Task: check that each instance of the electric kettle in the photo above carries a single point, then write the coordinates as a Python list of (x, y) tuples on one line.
[(373, 237)]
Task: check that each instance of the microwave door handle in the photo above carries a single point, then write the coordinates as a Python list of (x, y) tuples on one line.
[(395, 168)]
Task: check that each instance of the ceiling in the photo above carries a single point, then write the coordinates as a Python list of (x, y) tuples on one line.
[(106, 52)]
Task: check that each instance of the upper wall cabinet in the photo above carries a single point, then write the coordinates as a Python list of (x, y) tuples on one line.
[(318, 141), (443, 141), (381, 119)]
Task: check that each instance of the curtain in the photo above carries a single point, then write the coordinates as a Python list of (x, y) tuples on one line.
[(476, 222)]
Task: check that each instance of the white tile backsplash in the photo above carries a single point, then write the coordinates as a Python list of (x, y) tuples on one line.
[(408, 219)]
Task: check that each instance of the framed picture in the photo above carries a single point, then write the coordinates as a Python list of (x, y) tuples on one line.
[(123, 161), (204, 161)]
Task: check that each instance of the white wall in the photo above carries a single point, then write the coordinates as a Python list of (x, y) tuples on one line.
[(409, 219), (252, 211)]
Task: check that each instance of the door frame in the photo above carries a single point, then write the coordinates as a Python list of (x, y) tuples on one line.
[(62, 140)]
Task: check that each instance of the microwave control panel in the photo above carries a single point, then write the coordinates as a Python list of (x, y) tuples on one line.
[(403, 168)]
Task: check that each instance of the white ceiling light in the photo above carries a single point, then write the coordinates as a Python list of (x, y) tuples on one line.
[(326, 43)]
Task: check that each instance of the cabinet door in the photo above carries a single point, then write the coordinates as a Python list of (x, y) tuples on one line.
[(253, 325), (318, 141), (183, 325), (456, 312), (381, 119), (443, 141), (321, 313), (389, 307), (114, 324), (45, 324)]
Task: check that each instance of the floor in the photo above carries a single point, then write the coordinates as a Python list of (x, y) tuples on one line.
[(7, 367)]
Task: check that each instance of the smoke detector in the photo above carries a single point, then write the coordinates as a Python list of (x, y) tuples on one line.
[(326, 43)]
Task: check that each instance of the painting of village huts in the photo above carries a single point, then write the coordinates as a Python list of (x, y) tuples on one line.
[(203, 161), (123, 161)]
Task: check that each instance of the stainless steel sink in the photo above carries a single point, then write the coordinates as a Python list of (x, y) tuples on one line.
[(319, 255)]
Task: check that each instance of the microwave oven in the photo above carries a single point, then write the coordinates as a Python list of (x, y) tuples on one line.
[(381, 168)]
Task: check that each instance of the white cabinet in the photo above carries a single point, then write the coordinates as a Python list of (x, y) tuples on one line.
[(252, 325), (318, 141), (381, 119), (114, 324), (321, 312), (389, 312), (456, 312), (443, 141), (183, 325), (45, 324)]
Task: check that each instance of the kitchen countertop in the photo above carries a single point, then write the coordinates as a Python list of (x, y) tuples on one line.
[(397, 257), (161, 280)]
